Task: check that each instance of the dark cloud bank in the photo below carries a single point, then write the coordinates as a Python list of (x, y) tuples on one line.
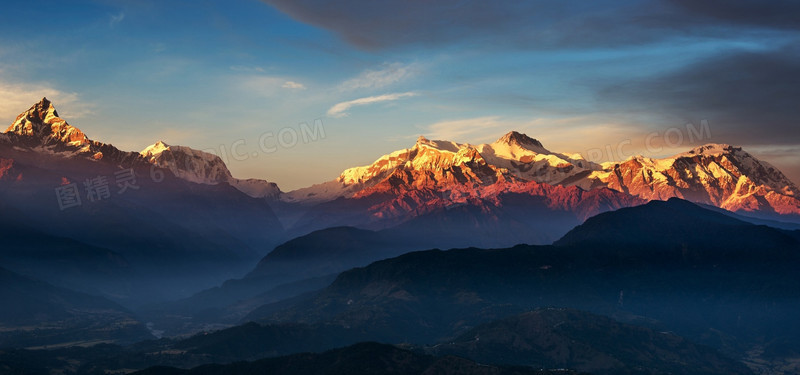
[(749, 96)]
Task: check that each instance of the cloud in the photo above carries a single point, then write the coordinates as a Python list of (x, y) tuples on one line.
[(293, 85), (114, 19), (158, 47), (532, 24), (263, 85), (375, 79), (775, 13), (340, 109), (569, 134), (473, 129), (748, 97), (16, 98), (248, 69)]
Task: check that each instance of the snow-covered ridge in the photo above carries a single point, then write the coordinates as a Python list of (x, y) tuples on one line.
[(717, 174), (187, 163), (204, 168), (514, 155), (521, 155)]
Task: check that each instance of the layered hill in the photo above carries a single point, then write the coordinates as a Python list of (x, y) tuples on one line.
[(565, 338), (671, 265), (359, 359)]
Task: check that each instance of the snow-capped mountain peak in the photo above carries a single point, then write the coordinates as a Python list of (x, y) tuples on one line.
[(527, 158), (154, 149), (204, 168), (519, 139), (187, 163), (710, 149), (42, 121), (444, 164), (447, 146), (716, 174), (41, 130)]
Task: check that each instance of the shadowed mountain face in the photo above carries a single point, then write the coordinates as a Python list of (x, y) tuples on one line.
[(663, 225), (304, 264), (61, 261), (154, 357), (675, 224), (59, 315), (727, 292), (499, 214), (545, 338)]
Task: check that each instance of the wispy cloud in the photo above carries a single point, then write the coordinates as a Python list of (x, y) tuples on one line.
[(15, 98), (158, 47), (374, 79), (573, 134), (340, 109), (114, 19), (477, 128), (263, 85), (293, 85), (248, 69)]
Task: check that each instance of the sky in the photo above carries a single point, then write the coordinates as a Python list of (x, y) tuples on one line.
[(295, 91)]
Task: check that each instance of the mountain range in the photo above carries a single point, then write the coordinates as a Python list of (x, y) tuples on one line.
[(695, 254), (192, 225), (174, 235), (502, 182)]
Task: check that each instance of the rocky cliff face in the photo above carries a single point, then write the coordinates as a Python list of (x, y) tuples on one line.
[(719, 175), (41, 129)]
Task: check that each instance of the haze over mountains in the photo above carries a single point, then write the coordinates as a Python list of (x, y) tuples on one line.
[(168, 238)]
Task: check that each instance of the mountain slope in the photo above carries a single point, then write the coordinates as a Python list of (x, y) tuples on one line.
[(204, 168), (675, 223), (363, 358), (563, 338), (716, 174), (445, 164), (498, 214), (58, 315), (304, 264), (58, 260), (41, 129)]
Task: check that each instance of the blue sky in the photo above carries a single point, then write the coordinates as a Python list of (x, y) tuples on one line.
[(580, 78)]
